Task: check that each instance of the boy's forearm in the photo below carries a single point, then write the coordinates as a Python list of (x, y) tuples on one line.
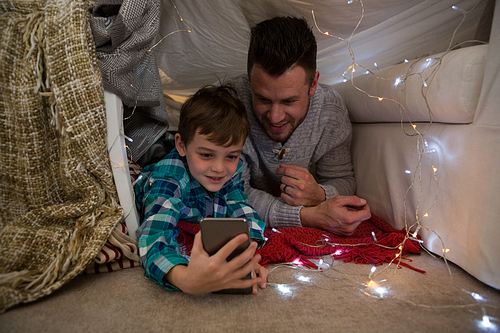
[(175, 276)]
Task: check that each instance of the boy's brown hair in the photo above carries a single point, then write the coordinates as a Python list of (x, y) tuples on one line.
[(217, 113)]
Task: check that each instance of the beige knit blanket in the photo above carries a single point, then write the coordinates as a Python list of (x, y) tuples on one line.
[(58, 202)]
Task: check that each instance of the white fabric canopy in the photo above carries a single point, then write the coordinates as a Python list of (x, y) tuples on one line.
[(390, 32)]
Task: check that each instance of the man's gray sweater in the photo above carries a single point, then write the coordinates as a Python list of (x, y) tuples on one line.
[(321, 143)]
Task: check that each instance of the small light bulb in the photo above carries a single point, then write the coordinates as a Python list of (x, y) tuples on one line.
[(303, 278), (486, 322), (407, 172), (406, 60), (373, 269), (426, 215), (326, 33), (381, 291), (477, 296), (284, 289), (380, 98), (435, 169)]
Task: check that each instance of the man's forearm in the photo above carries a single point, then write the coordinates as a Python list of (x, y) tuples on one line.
[(273, 211)]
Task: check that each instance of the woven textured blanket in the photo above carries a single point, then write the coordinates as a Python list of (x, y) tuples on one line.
[(58, 202), (374, 242)]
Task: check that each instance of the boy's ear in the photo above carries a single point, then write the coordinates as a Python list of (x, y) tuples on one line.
[(179, 145)]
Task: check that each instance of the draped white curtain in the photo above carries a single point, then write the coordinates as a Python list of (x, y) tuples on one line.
[(389, 32)]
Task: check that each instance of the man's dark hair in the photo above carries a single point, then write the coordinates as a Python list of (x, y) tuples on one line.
[(216, 112), (279, 43)]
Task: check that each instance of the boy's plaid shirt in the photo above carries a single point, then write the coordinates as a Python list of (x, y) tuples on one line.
[(167, 193)]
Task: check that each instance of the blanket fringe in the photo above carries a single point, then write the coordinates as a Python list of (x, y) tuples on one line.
[(69, 252), (34, 39), (120, 240)]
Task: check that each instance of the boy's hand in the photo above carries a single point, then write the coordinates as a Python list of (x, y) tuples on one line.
[(206, 273), (261, 272)]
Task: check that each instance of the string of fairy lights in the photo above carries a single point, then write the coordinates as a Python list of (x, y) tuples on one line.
[(421, 142), (433, 65), (374, 288)]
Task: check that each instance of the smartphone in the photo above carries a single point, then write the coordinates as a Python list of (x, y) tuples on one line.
[(216, 232)]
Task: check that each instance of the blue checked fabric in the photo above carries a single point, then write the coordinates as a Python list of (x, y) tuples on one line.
[(167, 193)]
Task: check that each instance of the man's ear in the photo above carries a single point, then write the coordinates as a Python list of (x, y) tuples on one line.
[(179, 145), (314, 85)]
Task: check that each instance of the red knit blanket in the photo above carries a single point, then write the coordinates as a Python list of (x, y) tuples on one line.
[(374, 242)]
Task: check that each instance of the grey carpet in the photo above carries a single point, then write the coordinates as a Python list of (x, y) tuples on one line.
[(295, 300)]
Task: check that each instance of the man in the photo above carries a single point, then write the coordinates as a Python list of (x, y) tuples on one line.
[(297, 162)]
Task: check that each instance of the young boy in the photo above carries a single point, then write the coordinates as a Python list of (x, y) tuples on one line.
[(201, 177)]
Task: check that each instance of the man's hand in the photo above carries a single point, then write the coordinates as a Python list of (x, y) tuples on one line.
[(206, 273), (298, 186), (339, 215)]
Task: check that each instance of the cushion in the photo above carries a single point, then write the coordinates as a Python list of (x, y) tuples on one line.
[(451, 81)]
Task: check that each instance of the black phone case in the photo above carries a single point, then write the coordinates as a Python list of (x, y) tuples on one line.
[(216, 232)]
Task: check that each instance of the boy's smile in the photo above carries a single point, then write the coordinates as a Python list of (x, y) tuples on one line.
[(211, 165)]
